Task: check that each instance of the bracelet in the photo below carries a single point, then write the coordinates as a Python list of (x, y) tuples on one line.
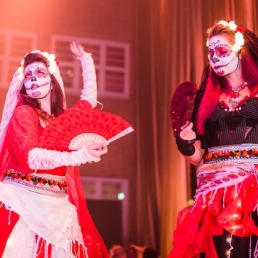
[(186, 147)]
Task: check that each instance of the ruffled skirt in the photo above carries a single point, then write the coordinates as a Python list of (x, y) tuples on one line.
[(225, 200)]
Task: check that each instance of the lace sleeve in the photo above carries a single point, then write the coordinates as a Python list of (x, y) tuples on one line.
[(23, 133), (40, 158), (89, 91)]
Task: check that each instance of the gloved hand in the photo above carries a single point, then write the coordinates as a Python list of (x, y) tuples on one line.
[(40, 158)]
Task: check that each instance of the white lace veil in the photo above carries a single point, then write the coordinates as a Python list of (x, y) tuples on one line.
[(13, 92)]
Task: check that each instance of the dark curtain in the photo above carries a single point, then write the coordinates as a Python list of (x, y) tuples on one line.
[(169, 48)]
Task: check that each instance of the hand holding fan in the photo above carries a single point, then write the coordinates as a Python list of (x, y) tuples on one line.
[(79, 127), (181, 105)]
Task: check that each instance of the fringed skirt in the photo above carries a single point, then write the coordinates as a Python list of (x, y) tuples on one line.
[(221, 223), (48, 224)]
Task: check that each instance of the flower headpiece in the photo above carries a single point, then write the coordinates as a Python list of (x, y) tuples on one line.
[(52, 68), (239, 37)]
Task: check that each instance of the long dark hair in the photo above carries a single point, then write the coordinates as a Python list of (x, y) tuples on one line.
[(57, 96), (212, 85)]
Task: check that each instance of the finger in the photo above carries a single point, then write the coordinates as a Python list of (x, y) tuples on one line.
[(98, 146), (185, 125), (73, 47), (104, 148), (98, 152), (80, 48), (72, 44)]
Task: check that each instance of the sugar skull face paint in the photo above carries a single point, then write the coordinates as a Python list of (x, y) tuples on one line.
[(37, 80), (223, 59)]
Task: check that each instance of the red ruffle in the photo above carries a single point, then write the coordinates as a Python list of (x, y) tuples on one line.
[(226, 208)]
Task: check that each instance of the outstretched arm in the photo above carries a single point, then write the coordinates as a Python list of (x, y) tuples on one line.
[(89, 91), (40, 158)]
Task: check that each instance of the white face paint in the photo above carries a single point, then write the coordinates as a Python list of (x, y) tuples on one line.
[(37, 80), (223, 59)]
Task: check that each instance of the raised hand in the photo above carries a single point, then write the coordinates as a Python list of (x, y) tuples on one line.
[(89, 91), (77, 49)]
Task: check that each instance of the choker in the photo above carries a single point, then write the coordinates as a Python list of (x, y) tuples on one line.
[(235, 96)]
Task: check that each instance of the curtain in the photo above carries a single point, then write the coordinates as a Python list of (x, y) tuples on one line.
[(169, 49), (146, 69)]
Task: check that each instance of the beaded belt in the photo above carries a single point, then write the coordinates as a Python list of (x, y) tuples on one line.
[(41, 183), (242, 153)]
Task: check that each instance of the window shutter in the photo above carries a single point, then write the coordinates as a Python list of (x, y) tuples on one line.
[(13, 46), (111, 62)]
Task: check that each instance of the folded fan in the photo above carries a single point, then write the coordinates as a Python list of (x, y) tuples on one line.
[(181, 105), (81, 127)]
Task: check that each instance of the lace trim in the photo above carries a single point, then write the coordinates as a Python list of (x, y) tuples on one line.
[(89, 91), (40, 158)]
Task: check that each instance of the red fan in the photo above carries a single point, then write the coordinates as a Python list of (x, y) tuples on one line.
[(181, 105), (79, 127)]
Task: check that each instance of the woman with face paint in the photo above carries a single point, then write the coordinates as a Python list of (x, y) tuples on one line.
[(222, 139), (43, 211)]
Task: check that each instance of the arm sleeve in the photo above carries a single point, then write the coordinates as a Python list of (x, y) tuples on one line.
[(22, 134), (40, 158), (89, 91)]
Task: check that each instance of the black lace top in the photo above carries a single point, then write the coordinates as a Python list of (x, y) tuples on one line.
[(227, 128)]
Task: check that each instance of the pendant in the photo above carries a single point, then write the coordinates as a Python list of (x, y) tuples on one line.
[(234, 94), (234, 102)]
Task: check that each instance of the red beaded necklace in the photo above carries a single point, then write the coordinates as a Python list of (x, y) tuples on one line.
[(235, 96), (236, 100)]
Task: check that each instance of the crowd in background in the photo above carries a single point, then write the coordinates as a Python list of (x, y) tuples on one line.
[(132, 251)]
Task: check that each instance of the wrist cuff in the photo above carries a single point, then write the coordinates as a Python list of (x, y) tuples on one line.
[(185, 147)]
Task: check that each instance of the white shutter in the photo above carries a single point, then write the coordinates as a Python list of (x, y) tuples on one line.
[(111, 61), (13, 46)]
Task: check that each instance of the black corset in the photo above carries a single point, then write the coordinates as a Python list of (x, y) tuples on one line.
[(227, 128)]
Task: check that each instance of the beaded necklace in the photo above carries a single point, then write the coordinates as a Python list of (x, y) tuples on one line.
[(235, 96), (237, 108), (236, 101)]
